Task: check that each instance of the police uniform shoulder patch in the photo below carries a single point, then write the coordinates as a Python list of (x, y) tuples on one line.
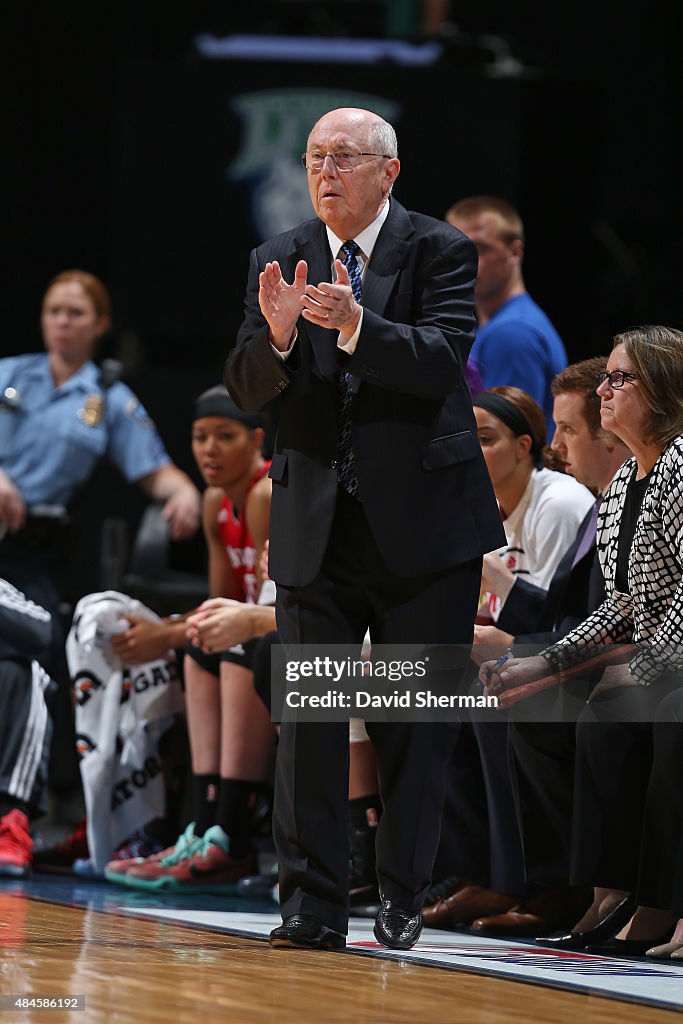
[(135, 412)]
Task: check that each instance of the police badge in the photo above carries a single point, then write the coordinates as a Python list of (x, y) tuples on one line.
[(92, 410)]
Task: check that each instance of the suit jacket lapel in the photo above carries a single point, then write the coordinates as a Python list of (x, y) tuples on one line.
[(388, 256), (313, 247)]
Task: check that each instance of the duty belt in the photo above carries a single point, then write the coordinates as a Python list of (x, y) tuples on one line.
[(40, 533)]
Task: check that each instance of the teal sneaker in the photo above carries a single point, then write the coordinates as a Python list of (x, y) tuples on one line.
[(117, 870), (206, 866)]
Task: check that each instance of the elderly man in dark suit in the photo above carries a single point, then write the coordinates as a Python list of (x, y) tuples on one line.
[(359, 323)]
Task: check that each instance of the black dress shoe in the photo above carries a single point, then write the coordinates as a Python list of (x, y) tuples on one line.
[(627, 947), (604, 930), (304, 931), (396, 928)]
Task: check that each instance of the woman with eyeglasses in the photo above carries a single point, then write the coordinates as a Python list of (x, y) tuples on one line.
[(640, 626)]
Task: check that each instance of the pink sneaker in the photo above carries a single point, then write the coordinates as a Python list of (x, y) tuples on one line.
[(206, 866), (16, 845), (118, 868)]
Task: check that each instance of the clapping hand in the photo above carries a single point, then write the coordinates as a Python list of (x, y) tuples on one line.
[(281, 303), (332, 305)]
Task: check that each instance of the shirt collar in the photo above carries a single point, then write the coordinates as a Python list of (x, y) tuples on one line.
[(85, 378), (365, 239)]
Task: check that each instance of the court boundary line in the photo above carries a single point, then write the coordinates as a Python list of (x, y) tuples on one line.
[(426, 961), (376, 954)]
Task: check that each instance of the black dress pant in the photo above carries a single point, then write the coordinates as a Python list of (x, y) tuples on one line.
[(465, 839), (355, 591), (480, 836), (542, 762), (660, 880), (542, 755), (614, 760)]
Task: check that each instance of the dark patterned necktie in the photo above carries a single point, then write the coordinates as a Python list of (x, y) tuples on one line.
[(346, 473)]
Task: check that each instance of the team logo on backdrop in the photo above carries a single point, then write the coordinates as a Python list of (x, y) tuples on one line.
[(276, 124)]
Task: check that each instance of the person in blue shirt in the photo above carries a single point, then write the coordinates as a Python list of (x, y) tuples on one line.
[(515, 342), (58, 419)]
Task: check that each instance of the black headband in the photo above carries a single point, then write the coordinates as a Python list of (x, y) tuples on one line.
[(218, 402), (508, 413)]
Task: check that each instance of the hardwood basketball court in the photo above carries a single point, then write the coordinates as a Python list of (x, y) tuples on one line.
[(67, 938)]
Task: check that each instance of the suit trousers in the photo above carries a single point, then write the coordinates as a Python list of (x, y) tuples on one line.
[(542, 755), (354, 591), (480, 836), (542, 759)]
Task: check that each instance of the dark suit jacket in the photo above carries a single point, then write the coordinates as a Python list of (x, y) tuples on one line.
[(575, 591), (422, 478)]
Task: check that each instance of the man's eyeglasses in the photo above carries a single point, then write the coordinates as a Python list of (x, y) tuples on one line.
[(344, 160), (617, 378)]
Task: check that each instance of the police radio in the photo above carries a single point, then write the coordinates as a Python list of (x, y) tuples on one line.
[(111, 370)]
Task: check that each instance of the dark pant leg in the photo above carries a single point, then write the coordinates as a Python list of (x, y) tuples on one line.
[(542, 759), (413, 758), (311, 778), (487, 846), (506, 870), (33, 573), (311, 769), (310, 820), (25, 731), (464, 842), (660, 882), (353, 591), (614, 751)]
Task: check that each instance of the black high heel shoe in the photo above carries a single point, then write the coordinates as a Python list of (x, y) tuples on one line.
[(627, 947), (603, 931)]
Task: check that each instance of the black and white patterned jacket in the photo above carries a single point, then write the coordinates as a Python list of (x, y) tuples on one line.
[(651, 615)]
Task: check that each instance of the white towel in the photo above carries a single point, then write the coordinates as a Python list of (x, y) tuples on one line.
[(121, 712)]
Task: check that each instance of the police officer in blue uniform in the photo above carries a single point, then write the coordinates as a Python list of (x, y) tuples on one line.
[(58, 419)]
